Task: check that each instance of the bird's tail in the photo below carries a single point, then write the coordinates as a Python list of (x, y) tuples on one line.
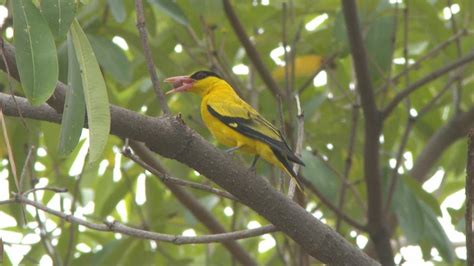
[(298, 179), (287, 167)]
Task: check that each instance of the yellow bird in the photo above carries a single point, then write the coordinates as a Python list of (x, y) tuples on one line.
[(235, 123)]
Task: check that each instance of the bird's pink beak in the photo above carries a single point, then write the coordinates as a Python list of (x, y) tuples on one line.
[(180, 83)]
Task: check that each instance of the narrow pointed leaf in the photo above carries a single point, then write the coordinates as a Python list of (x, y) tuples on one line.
[(380, 46), (59, 14), (95, 93), (74, 106), (35, 52)]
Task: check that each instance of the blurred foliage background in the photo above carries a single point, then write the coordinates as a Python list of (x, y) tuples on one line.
[(189, 35)]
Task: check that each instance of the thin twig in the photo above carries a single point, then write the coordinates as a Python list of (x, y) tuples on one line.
[(394, 176), (166, 178), (139, 210), (53, 189), (428, 55), (426, 79), (356, 193), (405, 46), (252, 53), (11, 159), (298, 145), (457, 93), (286, 55), (425, 109), (72, 229), (470, 198), (348, 164), (43, 232), (143, 234), (410, 120), (149, 57), (294, 43), (25, 166), (216, 58), (345, 93)]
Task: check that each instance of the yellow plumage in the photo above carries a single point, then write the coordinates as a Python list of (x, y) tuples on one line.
[(235, 123)]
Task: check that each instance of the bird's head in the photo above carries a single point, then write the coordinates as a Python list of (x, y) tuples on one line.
[(200, 82)]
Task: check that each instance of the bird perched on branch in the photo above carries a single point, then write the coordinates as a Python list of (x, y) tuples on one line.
[(235, 123)]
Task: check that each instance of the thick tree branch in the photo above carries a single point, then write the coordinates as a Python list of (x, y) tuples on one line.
[(455, 129), (376, 220), (252, 53)]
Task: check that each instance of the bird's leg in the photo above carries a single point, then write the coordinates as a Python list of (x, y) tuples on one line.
[(231, 150), (254, 163)]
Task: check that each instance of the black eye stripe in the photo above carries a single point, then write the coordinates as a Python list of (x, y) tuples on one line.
[(203, 74)]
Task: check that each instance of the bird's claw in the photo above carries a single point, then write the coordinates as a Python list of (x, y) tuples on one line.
[(232, 150)]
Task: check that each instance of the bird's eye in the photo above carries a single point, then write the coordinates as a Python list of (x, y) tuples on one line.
[(201, 75)]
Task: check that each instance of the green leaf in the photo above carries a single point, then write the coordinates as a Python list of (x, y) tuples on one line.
[(171, 9), (409, 212), (118, 10), (419, 222), (422, 194), (434, 233), (95, 93), (449, 187), (63, 62), (112, 58), (340, 32), (74, 107), (321, 176), (59, 14), (312, 106), (114, 198), (139, 254), (114, 252), (380, 46), (35, 52)]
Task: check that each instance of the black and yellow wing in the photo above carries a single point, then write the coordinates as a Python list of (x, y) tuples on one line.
[(244, 119)]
